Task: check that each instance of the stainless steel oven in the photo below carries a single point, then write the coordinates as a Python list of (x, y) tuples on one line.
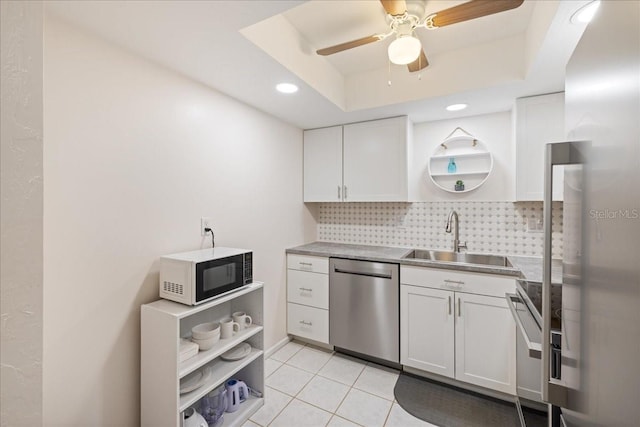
[(526, 308)]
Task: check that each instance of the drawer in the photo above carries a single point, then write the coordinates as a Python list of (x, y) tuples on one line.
[(458, 281), (308, 288), (314, 264), (308, 322)]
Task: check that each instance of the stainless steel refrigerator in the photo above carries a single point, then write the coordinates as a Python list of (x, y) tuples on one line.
[(599, 373)]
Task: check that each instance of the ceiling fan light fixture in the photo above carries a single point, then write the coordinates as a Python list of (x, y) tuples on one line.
[(404, 50)]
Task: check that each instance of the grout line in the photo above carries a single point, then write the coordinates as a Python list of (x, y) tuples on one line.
[(386, 419), (350, 388)]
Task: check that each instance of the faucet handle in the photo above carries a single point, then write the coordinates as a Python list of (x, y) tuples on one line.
[(462, 246)]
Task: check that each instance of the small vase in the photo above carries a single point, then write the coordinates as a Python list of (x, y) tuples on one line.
[(452, 165)]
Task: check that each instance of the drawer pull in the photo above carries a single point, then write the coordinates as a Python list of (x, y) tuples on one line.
[(302, 322), (306, 289), (308, 264), (453, 282), (459, 305)]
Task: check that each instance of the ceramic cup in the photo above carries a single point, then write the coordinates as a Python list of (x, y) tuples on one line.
[(242, 318), (228, 327)]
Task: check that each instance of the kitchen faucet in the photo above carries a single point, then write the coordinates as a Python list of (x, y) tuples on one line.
[(456, 238)]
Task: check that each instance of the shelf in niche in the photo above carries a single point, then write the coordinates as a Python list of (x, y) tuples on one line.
[(471, 157)]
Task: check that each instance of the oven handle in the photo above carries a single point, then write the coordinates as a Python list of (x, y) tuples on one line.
[(567, 153), (534, 348)]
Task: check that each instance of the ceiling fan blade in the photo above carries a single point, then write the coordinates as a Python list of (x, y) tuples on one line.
[(348, 45), (471, 10), (419, 63), (394, 7)]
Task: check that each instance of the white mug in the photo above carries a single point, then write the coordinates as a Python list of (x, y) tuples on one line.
[(242, 318), (228, 327)]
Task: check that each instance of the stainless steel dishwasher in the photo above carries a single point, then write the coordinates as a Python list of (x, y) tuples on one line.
[(364, 308)]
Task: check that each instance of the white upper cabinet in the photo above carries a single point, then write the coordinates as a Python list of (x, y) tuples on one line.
[(538, 121), (323, 165), (376, 160), (360, 162)]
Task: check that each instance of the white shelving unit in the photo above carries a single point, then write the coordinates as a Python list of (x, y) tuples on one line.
[(164, 323), (473, 162)]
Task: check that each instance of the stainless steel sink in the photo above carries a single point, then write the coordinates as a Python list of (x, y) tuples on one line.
[(457, 257)]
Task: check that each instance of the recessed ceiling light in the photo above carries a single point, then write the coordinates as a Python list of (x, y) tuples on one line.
[(286, 88), (456, 107), (585, 14)]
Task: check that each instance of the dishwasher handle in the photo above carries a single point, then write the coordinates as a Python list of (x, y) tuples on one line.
[(367, 273)]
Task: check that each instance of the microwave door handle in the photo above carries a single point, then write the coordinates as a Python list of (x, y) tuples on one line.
[(564, 153)]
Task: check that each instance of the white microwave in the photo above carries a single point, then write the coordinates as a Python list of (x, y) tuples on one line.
[(195, 277)]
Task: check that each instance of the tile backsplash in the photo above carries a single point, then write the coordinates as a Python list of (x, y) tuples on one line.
[(487, 227)]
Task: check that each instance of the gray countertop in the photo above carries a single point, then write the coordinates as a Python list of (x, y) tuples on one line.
[(529, 268)]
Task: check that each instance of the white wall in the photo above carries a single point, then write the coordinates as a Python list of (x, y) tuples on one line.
[(494, 130), (134, 156), (21, 214)]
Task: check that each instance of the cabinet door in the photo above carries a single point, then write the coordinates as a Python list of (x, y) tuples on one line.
[(426, 329), (485, 342), (323, 165), (375, 160), (539, 120)]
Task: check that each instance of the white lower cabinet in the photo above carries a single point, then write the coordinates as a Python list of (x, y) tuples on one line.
[(308, 297), (308, 322), (164, 323), (427, 329), (485, 342), (447, 330)]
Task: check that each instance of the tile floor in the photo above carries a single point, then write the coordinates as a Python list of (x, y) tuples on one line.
[(307, 386)]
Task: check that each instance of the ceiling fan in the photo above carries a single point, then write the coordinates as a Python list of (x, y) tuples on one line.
[(406, 49)]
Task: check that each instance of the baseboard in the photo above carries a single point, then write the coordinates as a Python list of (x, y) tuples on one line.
[(277, 346)]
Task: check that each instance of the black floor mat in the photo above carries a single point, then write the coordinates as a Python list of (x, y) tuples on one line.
[(534, 418), (448, 406)]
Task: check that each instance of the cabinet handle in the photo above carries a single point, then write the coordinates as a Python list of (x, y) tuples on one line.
[(449, 305), (453, 282), (308, 264), (306, 323), (338, 192), (345, 192), (306, 289), (459, 312)]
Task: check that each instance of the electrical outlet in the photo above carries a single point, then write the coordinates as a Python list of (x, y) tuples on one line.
[(205, 222)]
